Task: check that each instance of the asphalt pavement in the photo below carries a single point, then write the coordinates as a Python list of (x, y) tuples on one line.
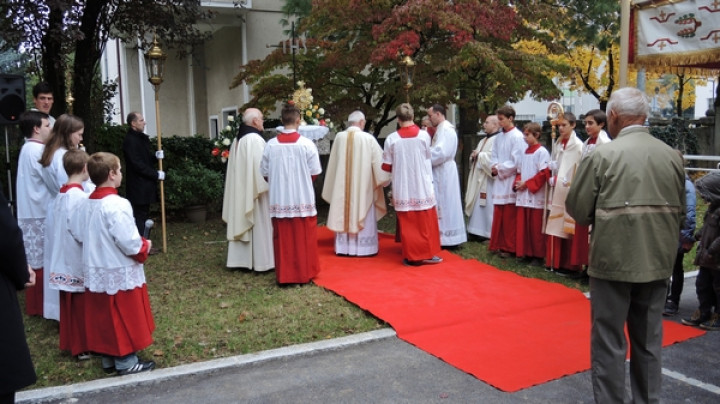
[(375, 367)]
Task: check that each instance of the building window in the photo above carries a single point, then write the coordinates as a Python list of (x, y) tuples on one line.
[(226, 112), (214, 128)]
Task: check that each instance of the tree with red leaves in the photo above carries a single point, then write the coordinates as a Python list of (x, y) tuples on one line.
[(463, 50)]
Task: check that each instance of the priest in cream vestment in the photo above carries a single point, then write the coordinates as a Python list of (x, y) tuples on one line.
[(560, 227), (478, 196), (353, 187), (245, 203)]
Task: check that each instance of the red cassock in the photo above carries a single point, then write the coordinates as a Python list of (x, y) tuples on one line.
[(72, 323), (119, 324), (295, 248), (419, 234)]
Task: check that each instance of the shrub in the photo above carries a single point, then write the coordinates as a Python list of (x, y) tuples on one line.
[(193, 184)]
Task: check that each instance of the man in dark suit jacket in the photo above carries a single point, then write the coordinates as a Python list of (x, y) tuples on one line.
[(141, 176), (16, 367)]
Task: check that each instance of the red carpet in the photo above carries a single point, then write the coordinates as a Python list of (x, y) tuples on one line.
[(509, 331)]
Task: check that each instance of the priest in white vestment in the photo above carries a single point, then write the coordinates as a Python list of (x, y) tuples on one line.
[(32, 201), (246, 208), (353, 187), (446, 180), (478, 196)]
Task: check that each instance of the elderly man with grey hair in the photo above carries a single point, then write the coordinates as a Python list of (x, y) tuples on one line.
[(353, 187), (632, 191), (246, 208)]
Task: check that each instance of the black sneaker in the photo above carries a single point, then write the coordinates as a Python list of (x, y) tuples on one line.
[(671, 308), (137, 368), (713, 324), (696, 319)]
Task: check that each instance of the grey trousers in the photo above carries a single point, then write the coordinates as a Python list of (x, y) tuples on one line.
[(639, 306)]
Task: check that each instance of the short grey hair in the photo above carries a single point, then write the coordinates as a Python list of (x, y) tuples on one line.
[(250, 114), (356, 117), (628, 101)]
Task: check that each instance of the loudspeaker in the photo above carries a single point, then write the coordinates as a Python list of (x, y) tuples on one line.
[(12, 98)]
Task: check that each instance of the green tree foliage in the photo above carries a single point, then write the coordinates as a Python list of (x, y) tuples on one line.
[(463, 49), (591, 36), (67, 38)]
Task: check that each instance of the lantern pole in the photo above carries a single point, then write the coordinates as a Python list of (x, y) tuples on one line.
[(155, 59)]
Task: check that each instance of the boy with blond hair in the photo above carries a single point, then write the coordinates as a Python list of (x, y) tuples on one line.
[(116, 298), (66, 266)]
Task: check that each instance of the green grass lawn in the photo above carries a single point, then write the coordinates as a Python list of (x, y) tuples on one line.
[(205, 311)]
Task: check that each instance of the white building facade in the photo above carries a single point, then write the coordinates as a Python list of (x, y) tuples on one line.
[(195, 97)]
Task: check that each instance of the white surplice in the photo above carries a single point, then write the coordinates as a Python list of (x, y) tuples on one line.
[(291, 167), (530, 165), (66, 264), (246, 208), (32, 198), (412, 181), (447, 185), (107, 230), (506, 154)]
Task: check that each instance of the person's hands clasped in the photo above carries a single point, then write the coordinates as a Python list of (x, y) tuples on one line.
[(32, 279)]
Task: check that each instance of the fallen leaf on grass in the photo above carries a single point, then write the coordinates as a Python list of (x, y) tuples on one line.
[(224, 305), (158, 352)]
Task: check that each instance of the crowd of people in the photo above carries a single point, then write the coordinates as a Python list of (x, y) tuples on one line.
[(83, 250), (85, 245)]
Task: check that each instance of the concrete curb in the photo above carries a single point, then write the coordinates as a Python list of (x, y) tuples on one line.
[(74, 390)]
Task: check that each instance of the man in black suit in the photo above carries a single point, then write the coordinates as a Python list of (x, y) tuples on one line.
[(141, 176)]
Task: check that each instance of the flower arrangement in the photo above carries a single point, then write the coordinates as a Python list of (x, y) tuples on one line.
[(311, 114), (225, 139)]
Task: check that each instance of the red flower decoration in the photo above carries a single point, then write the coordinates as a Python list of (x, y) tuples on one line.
[(225, 153), (215, 151)]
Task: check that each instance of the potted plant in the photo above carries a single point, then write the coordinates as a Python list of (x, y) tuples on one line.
[(192, 187)]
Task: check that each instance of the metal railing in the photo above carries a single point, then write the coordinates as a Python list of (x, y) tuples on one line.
[(702, 158)]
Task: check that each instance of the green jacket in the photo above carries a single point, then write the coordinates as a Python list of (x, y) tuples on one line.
[(632, 191)]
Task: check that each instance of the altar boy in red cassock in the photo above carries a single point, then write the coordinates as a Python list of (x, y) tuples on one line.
[(118, 318), (533, 173), (66, 265), (407, 156), (290, 163)]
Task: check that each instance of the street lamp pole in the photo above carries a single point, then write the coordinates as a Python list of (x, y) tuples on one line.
[(155, 64)]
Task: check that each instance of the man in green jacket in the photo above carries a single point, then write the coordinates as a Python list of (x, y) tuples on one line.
[(631, 191)]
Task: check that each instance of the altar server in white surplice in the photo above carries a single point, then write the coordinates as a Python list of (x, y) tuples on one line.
[(246, 208), (67, 133), (506, 155), (290, 163), (32, 201), (353, 187), (446, 180), (478, 196)]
